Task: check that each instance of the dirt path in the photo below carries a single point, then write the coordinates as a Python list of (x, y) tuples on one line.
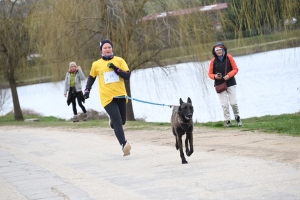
[(228, 141), (232, 142), (273, 147), (65, 163)]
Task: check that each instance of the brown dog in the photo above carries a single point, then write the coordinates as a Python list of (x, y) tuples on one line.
[(182, 122)]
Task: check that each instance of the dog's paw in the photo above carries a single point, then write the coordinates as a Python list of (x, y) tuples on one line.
[(184, 162), (189, 153)]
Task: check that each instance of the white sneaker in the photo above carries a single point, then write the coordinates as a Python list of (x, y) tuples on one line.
[(126, 149), (228, 123), (75, 118), (85, 117), (238, 121)]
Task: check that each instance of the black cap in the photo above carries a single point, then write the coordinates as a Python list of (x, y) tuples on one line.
[(105, 41)]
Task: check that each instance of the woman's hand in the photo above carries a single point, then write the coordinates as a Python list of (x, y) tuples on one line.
[(226, 77), (78, 68), (218, 76), (65, 95)]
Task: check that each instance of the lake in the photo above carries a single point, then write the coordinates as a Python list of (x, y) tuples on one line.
[(267, 84)]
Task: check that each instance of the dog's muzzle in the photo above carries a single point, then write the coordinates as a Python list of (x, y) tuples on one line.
[(189, 116)]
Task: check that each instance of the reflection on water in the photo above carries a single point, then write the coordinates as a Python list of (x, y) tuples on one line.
[(267, 84)]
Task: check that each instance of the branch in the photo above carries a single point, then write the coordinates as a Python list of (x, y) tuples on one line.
[(64, 59), (145, 44), (151, 58)]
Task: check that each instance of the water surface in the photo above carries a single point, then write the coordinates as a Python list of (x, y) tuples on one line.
[(267, 84)]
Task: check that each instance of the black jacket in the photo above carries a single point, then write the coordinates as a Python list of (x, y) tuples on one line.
[(219, 66)]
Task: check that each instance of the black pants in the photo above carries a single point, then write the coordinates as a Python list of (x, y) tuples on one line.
[(117, 113), (79, 103)]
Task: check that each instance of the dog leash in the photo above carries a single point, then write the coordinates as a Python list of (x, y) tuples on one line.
[(142, 101)]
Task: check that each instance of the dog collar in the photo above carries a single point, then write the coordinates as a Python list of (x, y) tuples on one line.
[(181, 122)]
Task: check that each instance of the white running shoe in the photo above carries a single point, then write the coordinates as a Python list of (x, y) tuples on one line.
[(126, 149), (85, 117), (228, 123), (238, 121), (75, 118)]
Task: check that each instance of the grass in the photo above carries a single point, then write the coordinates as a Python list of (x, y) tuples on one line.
[(50, 121), (285, 124)]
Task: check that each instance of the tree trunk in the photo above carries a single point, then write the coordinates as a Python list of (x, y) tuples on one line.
[(130, 114), (17, 108)]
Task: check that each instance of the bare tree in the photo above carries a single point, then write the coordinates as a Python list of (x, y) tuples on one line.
[(15, 43), (74, 31), (75, 27), (254, 17)]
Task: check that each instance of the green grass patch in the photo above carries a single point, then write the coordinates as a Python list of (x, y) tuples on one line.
[(50, 121), (285, 124)]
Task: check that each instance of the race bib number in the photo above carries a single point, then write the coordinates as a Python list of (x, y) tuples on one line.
[(111, 77)]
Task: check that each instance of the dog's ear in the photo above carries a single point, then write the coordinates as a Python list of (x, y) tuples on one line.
[(180, 101), (189, 100)]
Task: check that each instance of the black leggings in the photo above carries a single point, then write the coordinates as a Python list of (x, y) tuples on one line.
[(79, 103), (117, 113)]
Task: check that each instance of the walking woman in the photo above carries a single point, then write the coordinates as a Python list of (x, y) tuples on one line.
[(111, 72), (73, 86), (222, 69)]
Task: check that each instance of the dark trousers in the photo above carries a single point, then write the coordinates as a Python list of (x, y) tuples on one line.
[(79, 103), (117, 113)]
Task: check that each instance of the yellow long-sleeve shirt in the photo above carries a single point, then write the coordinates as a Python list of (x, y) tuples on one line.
[(110, 84)]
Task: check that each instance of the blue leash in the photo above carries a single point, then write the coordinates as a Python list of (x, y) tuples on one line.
[(128, 97)]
